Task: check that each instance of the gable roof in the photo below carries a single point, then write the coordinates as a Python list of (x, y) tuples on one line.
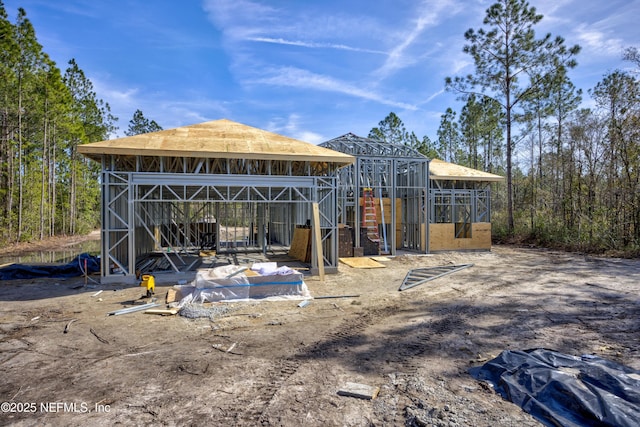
[(215, 139), (441, 170), (359, 146)]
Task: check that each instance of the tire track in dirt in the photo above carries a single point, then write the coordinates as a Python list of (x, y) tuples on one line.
[(404, 355), (252, 406), (248, 407)]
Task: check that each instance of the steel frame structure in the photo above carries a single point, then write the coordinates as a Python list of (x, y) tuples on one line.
[(460, 202), (393, 171), (401, 173), (162, 204)]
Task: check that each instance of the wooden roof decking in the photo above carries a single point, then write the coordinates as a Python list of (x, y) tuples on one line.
[(441, 170), (216, 139)]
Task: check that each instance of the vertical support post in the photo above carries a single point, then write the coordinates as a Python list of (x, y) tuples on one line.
[(317, 240), (131, 219), (104, 221), (429, 212)]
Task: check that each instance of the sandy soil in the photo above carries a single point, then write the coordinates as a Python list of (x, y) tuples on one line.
[(274, 363)]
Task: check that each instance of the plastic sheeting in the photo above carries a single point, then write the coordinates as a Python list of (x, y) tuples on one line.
[(229, 283), (73, 268), (564, 390)]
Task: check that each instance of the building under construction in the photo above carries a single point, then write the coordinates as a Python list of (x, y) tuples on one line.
[(393, 197), (225, 187)]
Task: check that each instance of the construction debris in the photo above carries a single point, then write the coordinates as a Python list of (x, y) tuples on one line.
[(171, 296), (68, 325), (196, 311), (95, 334), (361, 391), (362, 262), (336, 296), (163, 311), (418, 276), (133, 309), (229, 350)]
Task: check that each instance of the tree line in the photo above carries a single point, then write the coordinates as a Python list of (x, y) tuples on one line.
[(46, 187), (572, 173)]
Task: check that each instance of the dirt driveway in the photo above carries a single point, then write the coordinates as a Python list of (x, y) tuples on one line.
[(277, 364)]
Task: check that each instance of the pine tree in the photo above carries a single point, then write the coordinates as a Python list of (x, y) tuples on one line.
[(139, 124), (449, 137), (390, 130), (503, 55), (91, 121)]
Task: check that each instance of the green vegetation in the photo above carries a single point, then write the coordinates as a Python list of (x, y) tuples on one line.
[(573, 175), (46, 187)]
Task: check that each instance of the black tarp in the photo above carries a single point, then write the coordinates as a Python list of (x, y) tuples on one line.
[(563, 390), (73, 268)]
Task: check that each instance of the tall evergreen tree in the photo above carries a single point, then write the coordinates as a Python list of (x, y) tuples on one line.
[(45, 187), (632, 54), (503, 54), (449, 138), (29, 62), (618, 96), (390, 130), (92, 122), (9, 53), (139, 124)]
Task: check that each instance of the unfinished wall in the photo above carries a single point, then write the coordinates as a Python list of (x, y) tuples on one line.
[(386, 212), (442, 237)]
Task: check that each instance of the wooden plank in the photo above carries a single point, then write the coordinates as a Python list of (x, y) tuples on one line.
[(299, 244), (317, 241), (362, 262), (163, 311), (251, 273), (171, 296), (361, 391)]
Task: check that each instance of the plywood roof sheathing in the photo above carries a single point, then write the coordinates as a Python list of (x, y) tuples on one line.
[(441, 170), (215, 139)]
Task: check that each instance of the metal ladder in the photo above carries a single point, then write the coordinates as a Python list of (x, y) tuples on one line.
[(369, 216)]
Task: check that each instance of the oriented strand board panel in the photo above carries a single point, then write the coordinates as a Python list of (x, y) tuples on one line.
[(215, 139), (441, 170), (442, 237), (300, 244), (361, 262)]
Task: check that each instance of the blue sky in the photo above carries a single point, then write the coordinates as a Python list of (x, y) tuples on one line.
[(312, 70)]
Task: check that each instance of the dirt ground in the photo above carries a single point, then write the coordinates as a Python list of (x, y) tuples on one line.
[(277, 364)]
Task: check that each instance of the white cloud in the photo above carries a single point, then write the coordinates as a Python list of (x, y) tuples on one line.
[(118, 98), (597, 43), (239, 17), (313, 44), (295, 77), (433, 96), (312, 137), (430, 15), (291, 127)]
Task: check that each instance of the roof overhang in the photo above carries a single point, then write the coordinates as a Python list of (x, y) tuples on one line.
[(215, 139), (445, 171)]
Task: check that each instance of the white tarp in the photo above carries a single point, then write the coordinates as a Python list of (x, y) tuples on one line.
[(230, 283)]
